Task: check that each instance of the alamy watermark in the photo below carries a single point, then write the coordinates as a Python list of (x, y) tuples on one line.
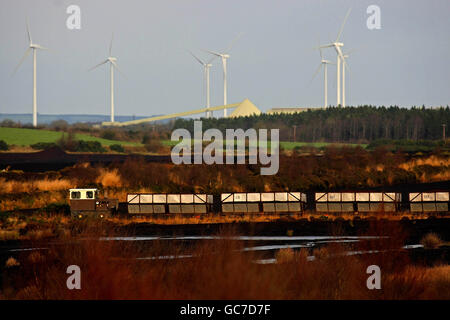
[(258, 146), (374, 20), (374, 281), (74, 20), (74, 280)]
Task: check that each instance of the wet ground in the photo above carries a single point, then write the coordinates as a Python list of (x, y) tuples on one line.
[(268, 238)]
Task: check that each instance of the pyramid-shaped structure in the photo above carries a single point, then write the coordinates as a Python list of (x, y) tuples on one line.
[(246, 108)]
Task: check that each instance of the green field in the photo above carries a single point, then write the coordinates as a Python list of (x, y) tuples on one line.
[(287, 145), (26, 137)]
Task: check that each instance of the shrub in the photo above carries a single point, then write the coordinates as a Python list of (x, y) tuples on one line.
[(3, 146), (8, 123), (89, 146), (67, 142), (43, 145), (117, 148), (153, 145), (285, 255), (431, 241), (108, 134), (11, 262), (59, 125)]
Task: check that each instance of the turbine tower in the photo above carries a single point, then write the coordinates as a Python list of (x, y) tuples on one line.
[(224, 56), (32, 47), (340, 58), (112, 64), (344, 65), (345, 56), (323, 63), (206, 67)]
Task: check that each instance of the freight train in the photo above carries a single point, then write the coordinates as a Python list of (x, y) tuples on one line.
[(86, 202)]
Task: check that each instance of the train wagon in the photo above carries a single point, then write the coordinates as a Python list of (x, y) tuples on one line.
[(357, 201), (264, 202), (86, 203), (432, 201), (148, 203)]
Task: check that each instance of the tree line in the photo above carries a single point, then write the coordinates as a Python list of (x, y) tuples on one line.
[(361, 124)]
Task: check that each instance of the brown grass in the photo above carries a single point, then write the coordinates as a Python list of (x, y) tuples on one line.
[(11, 262), (109, 178), (432, 161), (14, 186), (218, 270), (9, 235), (39, 200), (431, 241)]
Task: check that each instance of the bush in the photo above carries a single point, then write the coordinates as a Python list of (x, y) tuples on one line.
[(285, 255), (431, 241), (89, 146), (117, 148), (59, 125), (153, 145), (3, 146), (108, 134), (43, 145), (67, 142), (8, 123)]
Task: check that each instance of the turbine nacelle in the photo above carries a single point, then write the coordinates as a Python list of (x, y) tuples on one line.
[(112, 59), (37, 46)]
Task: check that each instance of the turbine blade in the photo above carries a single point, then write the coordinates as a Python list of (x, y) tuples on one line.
[(323, 47), (41, 47), (343, 24), (214, 53), (353, 50), (346, 65), (212, 59), (315, 74), (233, 42), (27, 52), (196, 58), (98, 65), (28, 32), (110, 44), (320, 49), (117, 67)]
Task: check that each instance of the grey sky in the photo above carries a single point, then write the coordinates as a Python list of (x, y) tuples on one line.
[(405, 63)]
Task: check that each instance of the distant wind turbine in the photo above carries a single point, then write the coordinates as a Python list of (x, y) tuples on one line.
[(206, 67), (113, 64), (340, 58), (224, 56), (323, 63), (31, 47)]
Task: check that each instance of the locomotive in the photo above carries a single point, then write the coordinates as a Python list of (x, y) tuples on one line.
[(86, 202)]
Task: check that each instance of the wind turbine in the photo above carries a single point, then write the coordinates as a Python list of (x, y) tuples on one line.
[(206, 67), (32, 47), (340, 58), (112, 64), (323, 63), (344, 56), (224, 56)]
